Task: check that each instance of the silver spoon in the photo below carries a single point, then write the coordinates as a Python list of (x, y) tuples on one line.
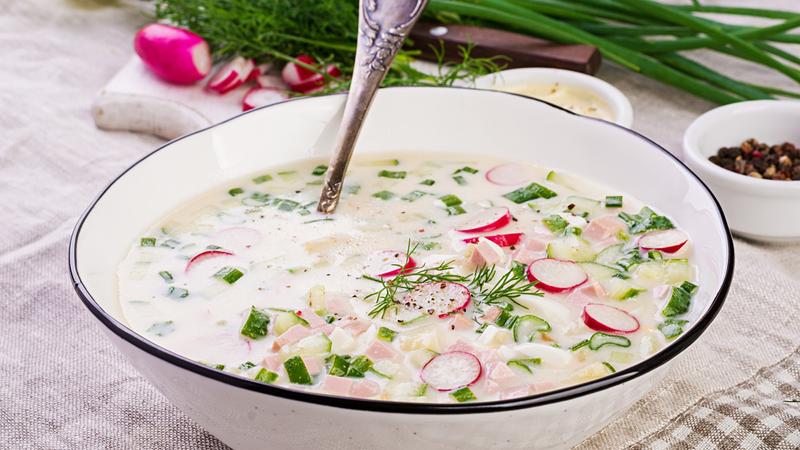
[(382, 27)]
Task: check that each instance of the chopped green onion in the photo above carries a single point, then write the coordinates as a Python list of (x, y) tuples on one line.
[(413, 196), (246, 365), (287, 173), (466, 169), (630, 293), (257, 324), (386, 334), (518, 269), (555, 223), (463, 395), (655, 255), (609, 367), (392, 174), (314, 183), (262, 178), (384, 195), (613, 201), (296, 371), (455, 210), (319, 170), (646, 220), (359, 366), (176, 292), (170, 243), (461, 181), (229, 275), (339, 365), (162, 328), (574, 230), (380, 374), (235, 191), (266, 376), (529, 192), (524, 364), (166, 276), (286, 204), (672, 328), (428, 182), (450, 200), (352, 189), (147, 242), (324, 219), (256, 199), (430, 245), (680, 300)]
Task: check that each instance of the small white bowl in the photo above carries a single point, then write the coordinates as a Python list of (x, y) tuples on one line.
[(618, 103), (764, 210)]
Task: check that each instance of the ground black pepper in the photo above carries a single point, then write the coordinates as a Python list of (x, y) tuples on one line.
[(759, 160)]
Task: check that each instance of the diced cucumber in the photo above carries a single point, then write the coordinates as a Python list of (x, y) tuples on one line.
[(527, 327), (581, 206), (600, 339), (570, 247), (316, 297), (266, 376), (666, 271), (560, 178), (286, 320), (296, 371), (463, 395), (610, 254), (614, 282), (313, 345)]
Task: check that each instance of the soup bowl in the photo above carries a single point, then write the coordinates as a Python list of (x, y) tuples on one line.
[(247, 414)]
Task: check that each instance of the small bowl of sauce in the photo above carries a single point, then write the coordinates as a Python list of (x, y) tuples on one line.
[(580, 93)]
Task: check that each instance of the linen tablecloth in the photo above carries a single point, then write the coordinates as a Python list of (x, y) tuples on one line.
[(63, 384)]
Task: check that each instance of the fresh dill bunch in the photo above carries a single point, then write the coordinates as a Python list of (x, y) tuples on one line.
[(510, 286)]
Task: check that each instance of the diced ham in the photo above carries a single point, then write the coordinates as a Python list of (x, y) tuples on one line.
[(460, 323), (541, 387), (326, 329), (314, 320), (365, 389), (313, 365), (593, 289), (461, 346), (290, 336), (338, 305), (491, 387), (514, 392), (491, 314), (491, 253), (530, 250), (660, 292), (501, 373), (272, 362), (337, 385), (579, 298), (488, 356), (378, 351), (603, 227), (356, 327)]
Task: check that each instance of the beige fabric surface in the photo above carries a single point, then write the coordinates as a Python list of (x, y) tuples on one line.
[(64, 386)]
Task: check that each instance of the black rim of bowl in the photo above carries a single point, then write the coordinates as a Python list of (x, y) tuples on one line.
[(566, 393)]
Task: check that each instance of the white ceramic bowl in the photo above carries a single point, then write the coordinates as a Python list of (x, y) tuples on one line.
[(621, 110), (765, 210), (246, 414)]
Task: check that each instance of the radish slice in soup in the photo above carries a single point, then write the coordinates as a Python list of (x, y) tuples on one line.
[(389, 263), (510, 174), (503, 240), (451, 370), (205, 256), (609, 319), (667, 241), (438, 298), (487, 220), (555, 275)]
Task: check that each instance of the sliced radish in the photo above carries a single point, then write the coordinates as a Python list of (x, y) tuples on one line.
[(271, 82), (487, 220), (503, 240), (511, 174), (231, 75), (304, 80), (205, 256), (556, 275), (257, 97), (451, 370), (387, 263), (608, 319), (173, 54), (667, 241), (439, 298)]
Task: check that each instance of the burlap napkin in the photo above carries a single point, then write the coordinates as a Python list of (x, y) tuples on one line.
[(64, 386)]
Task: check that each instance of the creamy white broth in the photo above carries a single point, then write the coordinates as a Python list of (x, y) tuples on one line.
[(289, 259)]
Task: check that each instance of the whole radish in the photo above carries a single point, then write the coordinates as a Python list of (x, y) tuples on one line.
[(173, 54)]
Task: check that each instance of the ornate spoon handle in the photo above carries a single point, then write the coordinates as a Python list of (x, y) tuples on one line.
[(383, 25)]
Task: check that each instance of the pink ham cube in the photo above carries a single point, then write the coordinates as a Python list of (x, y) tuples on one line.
[(603, 227), (365, 389), (378, 351), (313, 365), (313, 319), (338, 305), (290, 336), (272, 362), (356, 327), (337, 385)]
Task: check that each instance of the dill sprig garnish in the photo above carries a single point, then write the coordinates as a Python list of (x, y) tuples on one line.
[(509, 287)]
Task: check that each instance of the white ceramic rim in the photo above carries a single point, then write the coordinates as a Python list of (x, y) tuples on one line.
[(709, 120), (676, 347), (620, 105)]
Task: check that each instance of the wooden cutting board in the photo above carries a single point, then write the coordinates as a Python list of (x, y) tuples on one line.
[(135, 100)]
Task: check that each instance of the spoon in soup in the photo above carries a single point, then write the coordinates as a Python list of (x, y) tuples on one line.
[(382, 27)]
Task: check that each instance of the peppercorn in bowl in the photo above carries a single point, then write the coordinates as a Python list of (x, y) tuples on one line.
[(749, 155)]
